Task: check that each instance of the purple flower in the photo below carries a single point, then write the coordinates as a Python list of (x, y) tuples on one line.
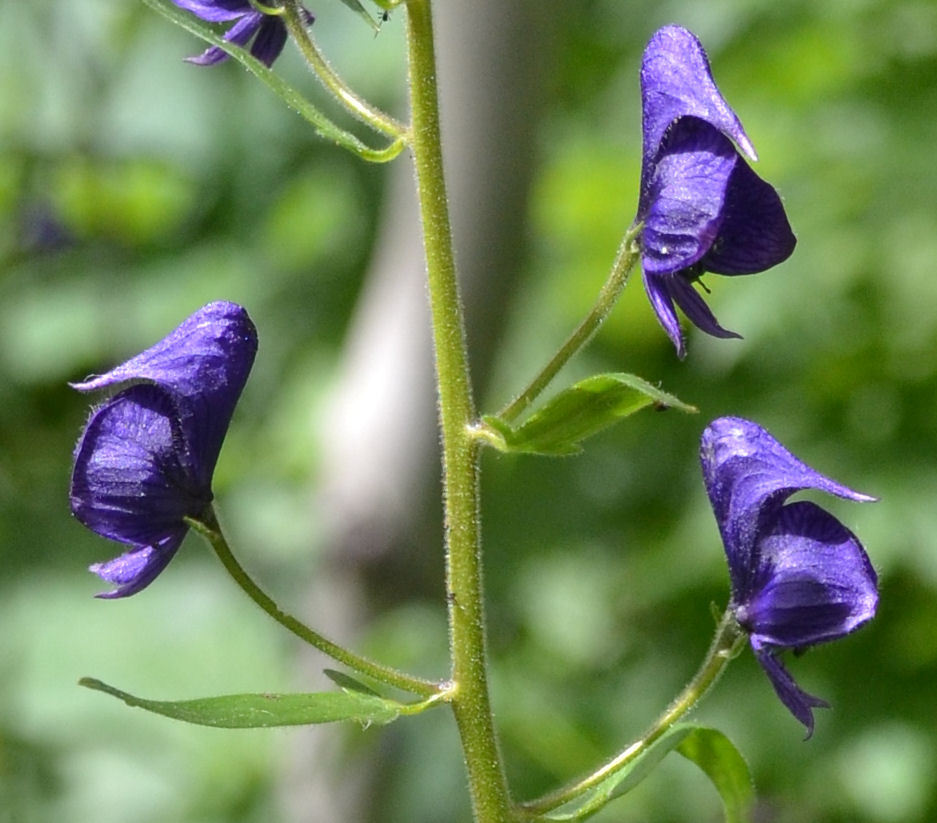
[(267, 30), (799, 576), (146, 457), (702, 207)]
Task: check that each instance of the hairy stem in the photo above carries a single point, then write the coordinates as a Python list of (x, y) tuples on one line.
[(725, 645), (360, 108), (208, 527), (628, 253), (470, 702)]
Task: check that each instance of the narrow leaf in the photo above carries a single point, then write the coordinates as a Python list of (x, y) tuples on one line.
[(323, 125), (347, 683), (360, 10), (724, 765), (578, 412), (252, 711)]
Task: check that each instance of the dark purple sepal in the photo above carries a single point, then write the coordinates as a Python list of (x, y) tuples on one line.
[(134, 570), (799, 703), (683, 206), (754, 234), (134, 479), (659, 289), (131, 484), (813, 581), (270, 40), (268, 31), (239, 35), (695, 308), (663, 290)]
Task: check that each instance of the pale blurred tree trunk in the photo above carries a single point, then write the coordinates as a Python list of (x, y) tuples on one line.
[(379, 486)]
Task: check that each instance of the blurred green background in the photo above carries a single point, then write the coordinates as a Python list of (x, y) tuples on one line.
[(134, 188)]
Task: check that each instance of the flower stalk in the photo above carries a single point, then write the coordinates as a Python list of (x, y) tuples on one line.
[(727, 642), (628, 254), (470, 702), (372, 116), (208, 527)]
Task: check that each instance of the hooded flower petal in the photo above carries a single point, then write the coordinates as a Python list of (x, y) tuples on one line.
[(203, 365), (216, 11), (748, 476), (676, 81), (146, 457), (702, 208), (799, 577)]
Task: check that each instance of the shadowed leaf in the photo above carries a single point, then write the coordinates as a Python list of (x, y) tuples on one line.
[(710, 749)]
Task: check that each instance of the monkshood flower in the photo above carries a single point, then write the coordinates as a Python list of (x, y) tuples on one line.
[(703, 208), (799, 576), (146, 457), (267, 30)]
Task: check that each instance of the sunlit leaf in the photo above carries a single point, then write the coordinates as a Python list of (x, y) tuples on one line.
[(578, 412), (251, 711)]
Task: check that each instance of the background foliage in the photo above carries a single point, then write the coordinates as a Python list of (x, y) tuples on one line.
[(135, 188)]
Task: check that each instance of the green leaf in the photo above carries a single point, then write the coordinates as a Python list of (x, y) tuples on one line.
[(323, 125), (711, 750), (724, 765), (252, 711), (576, 413)]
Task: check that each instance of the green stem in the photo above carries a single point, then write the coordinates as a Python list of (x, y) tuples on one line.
[(371, 115), (628, 253), (471, 704), (209, 529), (725, 645)]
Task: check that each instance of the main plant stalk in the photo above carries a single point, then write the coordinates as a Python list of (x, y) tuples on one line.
[(471, 703)]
